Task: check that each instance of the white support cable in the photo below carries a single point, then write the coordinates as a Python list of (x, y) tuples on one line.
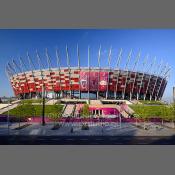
[(59, 68), (109, 67), (15, 66), (163, 88), (135, 75), (150, 76), (143, 74), (48, 59), (117, 67), (22, 63), (68, 64), (39, 60), (88, 72), (22, 68), (41, 71), (159, 71), (163, 77), (126, 68), (30, 64), (7, 73), (99, 68), (49, 67), (11, 68), (78, 56), (7, 70)]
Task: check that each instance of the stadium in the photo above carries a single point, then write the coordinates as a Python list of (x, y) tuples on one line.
[(78, 82)]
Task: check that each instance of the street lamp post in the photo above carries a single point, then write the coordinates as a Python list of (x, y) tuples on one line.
[(8, 119), (43, 109)]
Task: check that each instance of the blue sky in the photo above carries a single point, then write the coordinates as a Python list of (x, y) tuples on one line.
[(155, 42)]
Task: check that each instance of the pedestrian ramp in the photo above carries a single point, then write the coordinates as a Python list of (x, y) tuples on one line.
[(95, 102)]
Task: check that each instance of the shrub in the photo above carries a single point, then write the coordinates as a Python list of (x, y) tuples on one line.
[(85, 111), (85, 127)]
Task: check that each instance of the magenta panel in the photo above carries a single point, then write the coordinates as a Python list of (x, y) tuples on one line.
[(84, 76), (103, 81), (93, 79)]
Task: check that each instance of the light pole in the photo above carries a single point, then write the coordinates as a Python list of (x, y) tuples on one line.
[(8, 127), (43, 109), (120, 119)]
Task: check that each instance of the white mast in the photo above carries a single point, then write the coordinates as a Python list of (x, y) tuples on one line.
[(126, 68), (41, 71), (109, 67), (88, 72), (117, 67), (22, 68), (135, 74), (150, 76), (68, 64), (50, 70), (99, 55), (159, 71), (59, 69), (78, 55), (31, 68), (143, 74), (165, 75)]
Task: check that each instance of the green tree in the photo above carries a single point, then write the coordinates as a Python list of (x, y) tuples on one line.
[(164, 113), (85, 112), (56, 112), (171, 113), (29, 109), (18, 112)]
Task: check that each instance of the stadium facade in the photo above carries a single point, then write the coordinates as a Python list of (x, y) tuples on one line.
[(88, 82)]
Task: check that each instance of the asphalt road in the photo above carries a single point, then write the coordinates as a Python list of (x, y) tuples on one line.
[(86, 140)]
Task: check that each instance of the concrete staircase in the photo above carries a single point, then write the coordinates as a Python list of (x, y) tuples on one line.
[(68, 110), (123, 112)]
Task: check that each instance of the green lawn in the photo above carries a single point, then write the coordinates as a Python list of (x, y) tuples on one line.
[(151, 102), (160, 111), (32, 100), (34, 110), (149, 110)]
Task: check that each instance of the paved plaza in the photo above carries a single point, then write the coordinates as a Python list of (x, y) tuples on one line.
[(95, 129)]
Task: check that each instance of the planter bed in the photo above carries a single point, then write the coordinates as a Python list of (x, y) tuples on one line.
[(22, 127), (57, 126)]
